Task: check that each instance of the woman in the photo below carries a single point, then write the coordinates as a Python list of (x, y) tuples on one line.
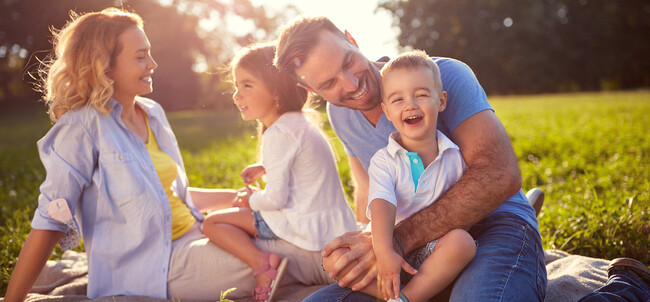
[(115, 175)]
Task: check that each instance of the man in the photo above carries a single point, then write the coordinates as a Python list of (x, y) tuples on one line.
[(487, 200)]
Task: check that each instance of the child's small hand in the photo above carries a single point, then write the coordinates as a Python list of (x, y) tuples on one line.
[(389, 266), (242, 198), (252, 172)]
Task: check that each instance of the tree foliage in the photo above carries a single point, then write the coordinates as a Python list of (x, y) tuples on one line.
[(533, 46), (188, 54)]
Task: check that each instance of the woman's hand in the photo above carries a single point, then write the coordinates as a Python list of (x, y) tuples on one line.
[(252, 172)]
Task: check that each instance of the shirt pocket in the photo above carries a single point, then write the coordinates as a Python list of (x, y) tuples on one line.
[(123, 178)]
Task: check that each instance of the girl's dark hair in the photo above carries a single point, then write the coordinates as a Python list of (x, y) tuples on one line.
[(257, 59)]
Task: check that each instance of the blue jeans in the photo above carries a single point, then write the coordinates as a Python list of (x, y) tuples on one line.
[(508, 266), (621, 286)]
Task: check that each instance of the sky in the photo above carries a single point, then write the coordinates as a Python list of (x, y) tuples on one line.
[(372, 30)]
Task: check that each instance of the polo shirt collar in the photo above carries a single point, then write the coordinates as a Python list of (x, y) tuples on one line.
[(393, 145), (444, 143)]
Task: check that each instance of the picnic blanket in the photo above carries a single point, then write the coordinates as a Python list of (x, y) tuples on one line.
[(570, 277)]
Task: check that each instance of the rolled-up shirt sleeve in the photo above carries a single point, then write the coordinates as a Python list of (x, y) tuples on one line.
[(278, 152), (69, 157), (381, 180)]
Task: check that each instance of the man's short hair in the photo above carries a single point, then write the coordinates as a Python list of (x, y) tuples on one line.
[(298, 39), (414, 59)]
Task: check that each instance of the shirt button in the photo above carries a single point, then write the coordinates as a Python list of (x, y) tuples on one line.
[(415, 161), (120, 157)]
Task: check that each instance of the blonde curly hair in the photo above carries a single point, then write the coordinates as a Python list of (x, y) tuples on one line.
[(74, 75)]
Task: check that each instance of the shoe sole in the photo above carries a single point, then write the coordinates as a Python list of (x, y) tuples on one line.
[(282, 268), (632, 265), (536, 199)]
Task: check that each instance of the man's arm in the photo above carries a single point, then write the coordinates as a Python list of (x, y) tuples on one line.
[(491, 177), (360, 180)]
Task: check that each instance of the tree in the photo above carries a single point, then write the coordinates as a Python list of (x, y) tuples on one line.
[(24, 36), (526, 46), (184, 50)]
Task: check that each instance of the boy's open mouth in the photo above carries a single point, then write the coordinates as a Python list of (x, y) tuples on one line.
[(412, 120)]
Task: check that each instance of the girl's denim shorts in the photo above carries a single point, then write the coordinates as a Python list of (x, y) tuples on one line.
[(263, 229)]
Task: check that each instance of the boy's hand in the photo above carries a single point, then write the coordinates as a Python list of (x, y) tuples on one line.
[(252, 172), (389, 266)]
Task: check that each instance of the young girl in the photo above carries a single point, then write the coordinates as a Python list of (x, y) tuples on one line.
[(303, 202)]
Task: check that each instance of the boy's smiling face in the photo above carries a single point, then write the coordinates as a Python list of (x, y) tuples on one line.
[(411, 100)]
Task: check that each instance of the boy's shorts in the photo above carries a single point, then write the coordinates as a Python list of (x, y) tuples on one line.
[(416, 258), (263, 229)]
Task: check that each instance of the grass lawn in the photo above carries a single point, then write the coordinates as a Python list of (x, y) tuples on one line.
[(589, 152)]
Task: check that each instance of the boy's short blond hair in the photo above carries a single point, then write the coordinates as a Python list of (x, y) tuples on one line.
[(414, 59)]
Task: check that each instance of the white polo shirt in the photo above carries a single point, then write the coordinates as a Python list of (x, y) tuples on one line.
[(391, 178)]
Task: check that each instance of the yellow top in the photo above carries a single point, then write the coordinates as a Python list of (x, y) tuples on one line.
[(182, 218)]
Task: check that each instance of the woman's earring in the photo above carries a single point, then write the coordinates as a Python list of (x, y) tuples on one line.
[(277, 105)]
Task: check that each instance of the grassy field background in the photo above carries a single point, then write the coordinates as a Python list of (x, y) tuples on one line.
[(589, 152)]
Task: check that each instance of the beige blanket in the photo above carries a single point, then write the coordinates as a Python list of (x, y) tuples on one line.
[(570, 277)]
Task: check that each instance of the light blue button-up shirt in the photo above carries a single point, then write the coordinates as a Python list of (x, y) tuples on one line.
[(105, 173)]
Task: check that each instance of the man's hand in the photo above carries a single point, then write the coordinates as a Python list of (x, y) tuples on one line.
[(349, 259)]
